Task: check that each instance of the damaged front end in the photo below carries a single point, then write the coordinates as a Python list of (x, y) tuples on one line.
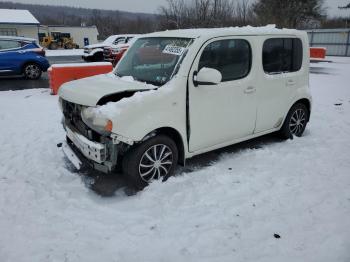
[(85, 147)]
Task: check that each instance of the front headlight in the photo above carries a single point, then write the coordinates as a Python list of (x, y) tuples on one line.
[(87, 50), (96, 122), (116, 51)]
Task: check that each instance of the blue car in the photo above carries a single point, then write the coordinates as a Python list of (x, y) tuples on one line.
[(22, 56)]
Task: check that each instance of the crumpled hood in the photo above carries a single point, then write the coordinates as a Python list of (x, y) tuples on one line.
[(88, 91)]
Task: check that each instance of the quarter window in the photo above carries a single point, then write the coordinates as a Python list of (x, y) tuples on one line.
[(120, 40), (231, 57), (281, 55)]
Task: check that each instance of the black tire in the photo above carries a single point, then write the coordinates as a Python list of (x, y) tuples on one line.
[(98, 57), (295, 122), (32, 71), (53, 46), (140, 168)]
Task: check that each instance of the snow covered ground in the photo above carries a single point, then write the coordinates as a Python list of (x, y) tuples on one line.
[(225, 206), (65, 52)]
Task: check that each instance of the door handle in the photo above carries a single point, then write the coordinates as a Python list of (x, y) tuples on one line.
[(249, 90), (290, 82)]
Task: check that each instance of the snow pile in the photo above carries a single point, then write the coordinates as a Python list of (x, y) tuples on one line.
[(113, 109), (225, 206), (64, 52), (92, 64), (16, 16), (211, 32)]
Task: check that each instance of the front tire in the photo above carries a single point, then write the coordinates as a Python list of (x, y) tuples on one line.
[(295, 122), (155, 158), (32, 71)]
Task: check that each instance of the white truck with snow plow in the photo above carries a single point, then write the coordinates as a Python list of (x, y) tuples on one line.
[(177, 94), (94, 53)]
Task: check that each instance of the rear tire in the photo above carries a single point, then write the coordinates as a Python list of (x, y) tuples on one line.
[(155, 158), (53, 46), (32, 71), (295, 122)]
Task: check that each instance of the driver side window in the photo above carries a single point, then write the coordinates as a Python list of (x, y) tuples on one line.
[(231, 57)]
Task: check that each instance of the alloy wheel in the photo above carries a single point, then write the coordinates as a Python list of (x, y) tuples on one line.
[(155, 162), (297, 122), (32, 71)]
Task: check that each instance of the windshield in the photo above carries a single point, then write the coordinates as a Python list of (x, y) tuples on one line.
[(153, 60), (109, 40)]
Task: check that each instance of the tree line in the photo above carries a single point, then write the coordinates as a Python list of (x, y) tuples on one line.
[(175, 14)]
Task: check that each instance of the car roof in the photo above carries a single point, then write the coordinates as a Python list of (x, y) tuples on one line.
[(17, 38), (226, 31), (125, 35)]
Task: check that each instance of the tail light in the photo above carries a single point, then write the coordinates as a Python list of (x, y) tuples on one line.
[(39, 51)]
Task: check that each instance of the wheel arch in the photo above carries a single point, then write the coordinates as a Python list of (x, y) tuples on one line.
[(30, 62), (174, 135), (306, 102)]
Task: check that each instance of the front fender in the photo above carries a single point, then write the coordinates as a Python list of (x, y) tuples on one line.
[(147, 111), (136, 116)]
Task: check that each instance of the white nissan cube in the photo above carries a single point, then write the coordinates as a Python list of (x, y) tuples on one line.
[(177, 94)]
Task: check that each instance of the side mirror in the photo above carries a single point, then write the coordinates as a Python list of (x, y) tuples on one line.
[(207, 76)]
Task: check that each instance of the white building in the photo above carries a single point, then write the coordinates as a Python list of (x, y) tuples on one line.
[(81, 35), (14, 22)]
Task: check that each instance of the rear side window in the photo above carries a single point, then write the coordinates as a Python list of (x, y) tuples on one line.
[(281, 55), (231, 57), (9, 44), (119, 40)]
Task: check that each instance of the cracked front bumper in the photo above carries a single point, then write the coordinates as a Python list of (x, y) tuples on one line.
[(92, 150)]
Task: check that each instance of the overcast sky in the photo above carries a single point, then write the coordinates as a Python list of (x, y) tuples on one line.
[(151, 6)]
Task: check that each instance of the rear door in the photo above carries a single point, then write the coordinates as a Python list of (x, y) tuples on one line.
[(281, 64), (9, 55), (219, 114)]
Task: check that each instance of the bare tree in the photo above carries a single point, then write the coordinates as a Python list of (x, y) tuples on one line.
[(243, 12), (205, 13), (289, 13), (344, 7)]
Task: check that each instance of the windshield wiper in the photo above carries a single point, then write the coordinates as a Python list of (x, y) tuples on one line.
[(155, 83)]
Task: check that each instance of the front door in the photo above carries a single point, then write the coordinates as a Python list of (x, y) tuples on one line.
[(219, 114)]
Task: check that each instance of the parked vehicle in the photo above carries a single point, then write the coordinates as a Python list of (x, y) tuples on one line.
[(20, 55), (57, 40), (114, 54), (94, 53), (203, 90)]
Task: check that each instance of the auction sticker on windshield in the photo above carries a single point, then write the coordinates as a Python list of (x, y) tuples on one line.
[(173, 50)]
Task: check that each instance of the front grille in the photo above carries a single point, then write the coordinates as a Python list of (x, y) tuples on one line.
[(72, 115), (107, 52)]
